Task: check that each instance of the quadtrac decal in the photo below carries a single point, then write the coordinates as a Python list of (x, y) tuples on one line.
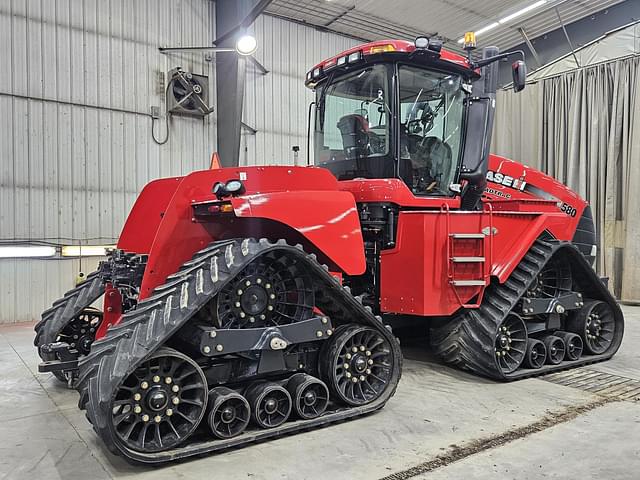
[(506, 180), (497, 193)]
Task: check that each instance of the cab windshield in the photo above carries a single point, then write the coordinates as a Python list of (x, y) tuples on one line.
[(354, 138)]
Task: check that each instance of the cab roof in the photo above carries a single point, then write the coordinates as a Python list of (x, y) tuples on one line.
[(393, 49)]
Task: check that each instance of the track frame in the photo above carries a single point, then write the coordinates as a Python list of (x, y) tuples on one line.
[(464, 341), (155, 319)]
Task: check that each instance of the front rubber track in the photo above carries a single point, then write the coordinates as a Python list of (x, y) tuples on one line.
[(467, 341), (155, 319), (63, 310)]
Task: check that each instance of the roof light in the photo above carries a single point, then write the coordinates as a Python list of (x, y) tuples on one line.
[(382, 49), (246, 45), (86, 250), (522, 11), (329, 64), (421, 42), (316, 72), (354, 57), (26, 251), (341, 61)]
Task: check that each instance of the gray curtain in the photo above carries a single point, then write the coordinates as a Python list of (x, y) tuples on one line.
[(583, 128)]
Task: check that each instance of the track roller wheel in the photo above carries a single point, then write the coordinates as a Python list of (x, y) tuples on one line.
[(161, 403), (573, 344), (270, 404), (555, 349), (357, 364), (511, 343), (229, 412), (536, 354), (310, 395), (595, 323)]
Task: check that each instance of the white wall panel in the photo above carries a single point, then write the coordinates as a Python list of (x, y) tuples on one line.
[(70, 173), (276, 104)]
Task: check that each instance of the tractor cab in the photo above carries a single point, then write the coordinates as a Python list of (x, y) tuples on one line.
[(406, 110)]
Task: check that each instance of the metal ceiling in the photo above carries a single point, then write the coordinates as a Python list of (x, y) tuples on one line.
[(378, 19)]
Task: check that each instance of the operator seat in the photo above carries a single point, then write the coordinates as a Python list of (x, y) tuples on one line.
[(354, 129), (439, 156), (428, 160)]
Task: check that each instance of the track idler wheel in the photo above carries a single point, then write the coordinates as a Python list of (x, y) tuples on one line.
[(272, 290), (79, 334), (573, 344), (228, 413), (357, 364), (555, 349), (161, 403), (511, 343), (270, 404), (310, 395), (595, 323), (536, 354)]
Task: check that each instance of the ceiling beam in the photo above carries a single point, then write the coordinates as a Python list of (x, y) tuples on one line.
[(553, 45)]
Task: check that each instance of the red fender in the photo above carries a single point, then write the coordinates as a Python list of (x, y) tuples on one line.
[(144, 219), (333, 229)]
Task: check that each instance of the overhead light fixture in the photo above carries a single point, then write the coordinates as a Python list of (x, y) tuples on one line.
[(26, 251), (246, 45), (491, 26), (508, 18), (85, 250), (522, 11)]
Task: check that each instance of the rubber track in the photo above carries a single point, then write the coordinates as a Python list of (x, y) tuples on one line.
[(63, 310), (467, 341), (155, 319)]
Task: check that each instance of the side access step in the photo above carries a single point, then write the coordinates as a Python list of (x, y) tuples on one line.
[(467, 259), (467, 236), (469, 268), (469, 283)]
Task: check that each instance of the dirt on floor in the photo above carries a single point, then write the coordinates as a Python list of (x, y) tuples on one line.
[(457, 452)]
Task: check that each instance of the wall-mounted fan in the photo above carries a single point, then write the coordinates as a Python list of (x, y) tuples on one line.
[(188, 93)]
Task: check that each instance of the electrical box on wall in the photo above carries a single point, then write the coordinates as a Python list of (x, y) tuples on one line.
[(188, 93)]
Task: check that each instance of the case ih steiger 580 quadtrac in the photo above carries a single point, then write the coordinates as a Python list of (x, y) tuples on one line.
[(248, 302)]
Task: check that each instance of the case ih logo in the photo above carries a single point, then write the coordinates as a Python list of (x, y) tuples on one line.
[(506, 180)]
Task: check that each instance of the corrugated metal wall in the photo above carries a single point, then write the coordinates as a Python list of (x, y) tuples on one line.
[(276, 104), (70, 173)]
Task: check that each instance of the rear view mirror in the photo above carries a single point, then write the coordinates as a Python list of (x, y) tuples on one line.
[(519, 73)]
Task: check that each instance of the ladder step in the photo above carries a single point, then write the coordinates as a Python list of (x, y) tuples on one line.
[(467, 236), (468, 283), (467, 259)]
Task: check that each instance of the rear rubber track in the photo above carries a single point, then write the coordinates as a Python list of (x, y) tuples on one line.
[(155, 319), (467, 341), (63, 310)]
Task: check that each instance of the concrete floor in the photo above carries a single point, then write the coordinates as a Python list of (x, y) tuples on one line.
[(436, 412)]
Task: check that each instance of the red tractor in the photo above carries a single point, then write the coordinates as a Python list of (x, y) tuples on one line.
[(248, 302)]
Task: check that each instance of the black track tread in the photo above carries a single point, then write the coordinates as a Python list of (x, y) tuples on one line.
[(63, 310), (155, 319), (467, 340)]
